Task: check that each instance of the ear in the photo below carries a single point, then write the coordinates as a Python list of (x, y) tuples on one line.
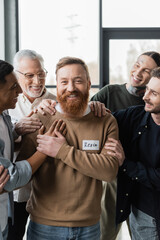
[(89, 84)]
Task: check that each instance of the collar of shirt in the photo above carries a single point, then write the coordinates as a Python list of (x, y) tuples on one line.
[(145, 120), (24, 98), (136, 91)]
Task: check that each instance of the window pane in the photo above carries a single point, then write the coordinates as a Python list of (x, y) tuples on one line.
[(125, 13), (61, 28), (124, 53)]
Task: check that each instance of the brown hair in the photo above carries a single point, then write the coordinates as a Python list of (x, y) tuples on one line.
[(72, 60), (156, 72)]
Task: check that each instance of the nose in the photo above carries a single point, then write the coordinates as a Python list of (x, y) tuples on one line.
[(139, 72), (36, 79), (71, 86), (146, 95)]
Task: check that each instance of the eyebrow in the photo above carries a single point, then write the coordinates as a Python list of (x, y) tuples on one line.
[(144, 67), (152, 90), (34, 73), (64, 78)]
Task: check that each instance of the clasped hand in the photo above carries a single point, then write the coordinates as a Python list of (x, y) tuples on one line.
[(115, 149), (53, 139)]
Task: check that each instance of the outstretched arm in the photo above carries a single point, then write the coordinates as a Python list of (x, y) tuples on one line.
[(27, 124), (47, 106), (21, 172)]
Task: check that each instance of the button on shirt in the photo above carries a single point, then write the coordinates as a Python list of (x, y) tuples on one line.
[(149, 156), (142, 162)]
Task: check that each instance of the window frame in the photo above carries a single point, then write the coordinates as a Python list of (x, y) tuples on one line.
[(11, 29), (108, 34), (11, 36)]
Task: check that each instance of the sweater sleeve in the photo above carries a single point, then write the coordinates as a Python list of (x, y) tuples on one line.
[(99, 166)]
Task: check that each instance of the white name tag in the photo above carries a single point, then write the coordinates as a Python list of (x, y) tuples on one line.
[(90, 145)]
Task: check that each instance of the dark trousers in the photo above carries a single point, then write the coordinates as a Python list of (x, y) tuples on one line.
[(17, 230)]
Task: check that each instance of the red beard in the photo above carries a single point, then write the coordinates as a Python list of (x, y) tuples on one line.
[(76, 107)]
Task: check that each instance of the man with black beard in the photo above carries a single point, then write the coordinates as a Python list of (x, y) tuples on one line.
[(66, 192)]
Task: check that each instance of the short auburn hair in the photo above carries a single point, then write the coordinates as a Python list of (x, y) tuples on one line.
[(72, 60)]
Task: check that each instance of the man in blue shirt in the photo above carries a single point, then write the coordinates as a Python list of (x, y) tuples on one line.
[(138, 193)]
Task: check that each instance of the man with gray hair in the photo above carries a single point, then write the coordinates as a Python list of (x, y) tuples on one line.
[(31, 75)]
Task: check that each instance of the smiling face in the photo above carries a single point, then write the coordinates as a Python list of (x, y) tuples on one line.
[(9, 92), (73, 89), (152, 96), (34, 87), (141, 70)]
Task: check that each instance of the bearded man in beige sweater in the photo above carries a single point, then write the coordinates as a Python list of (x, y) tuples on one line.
[(65, 201)]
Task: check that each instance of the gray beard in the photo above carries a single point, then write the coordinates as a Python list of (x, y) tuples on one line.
[(136, 91)]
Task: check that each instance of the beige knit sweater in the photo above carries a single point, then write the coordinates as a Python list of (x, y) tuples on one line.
[(66, 190)]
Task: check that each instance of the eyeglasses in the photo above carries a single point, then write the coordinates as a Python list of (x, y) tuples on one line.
[(30, 76)]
